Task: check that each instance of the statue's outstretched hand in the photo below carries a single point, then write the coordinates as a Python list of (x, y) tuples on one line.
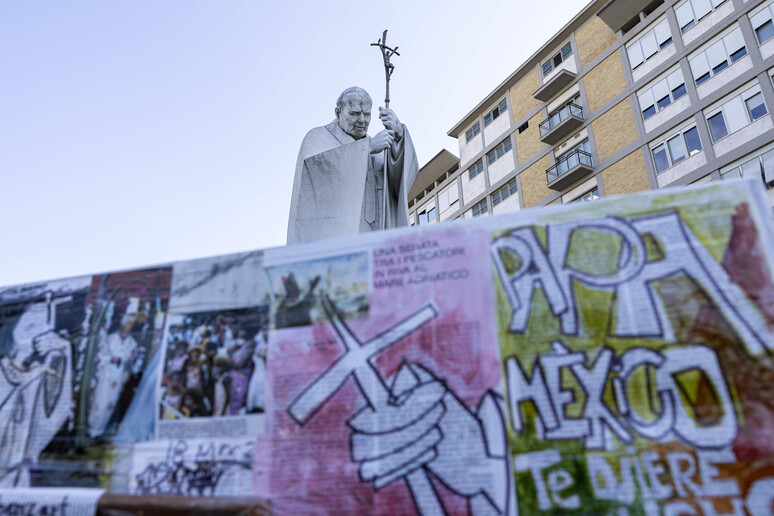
[(391, 122), (382, 140)]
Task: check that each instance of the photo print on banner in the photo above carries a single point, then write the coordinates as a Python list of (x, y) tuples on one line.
[(213, 375), (297, 289)]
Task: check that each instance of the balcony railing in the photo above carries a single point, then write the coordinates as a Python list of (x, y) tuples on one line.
[(559, 115), (568, 162)]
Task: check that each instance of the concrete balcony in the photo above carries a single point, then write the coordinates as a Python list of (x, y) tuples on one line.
[(561, 123), (572, 167), (618, 13), (554, 85)]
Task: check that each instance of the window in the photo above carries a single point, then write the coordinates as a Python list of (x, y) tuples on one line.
[(676, 148), (649, 44), (662, 93), (717, 56), (690, 12), (504, 192), (448, 197), (426, 215), (475, 169), (735, 113), (480, 208), (762, 24), (588, 196), (499, 110), (472, 132), (761, 167), (496, 153), (555, 61)]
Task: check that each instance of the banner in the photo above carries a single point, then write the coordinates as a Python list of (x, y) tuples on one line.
[(636, 345), (612, 357)]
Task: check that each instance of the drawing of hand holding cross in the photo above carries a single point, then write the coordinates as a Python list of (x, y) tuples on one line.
[(416, 428)]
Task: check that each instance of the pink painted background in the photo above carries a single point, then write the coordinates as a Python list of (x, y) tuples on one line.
[(307, 470)]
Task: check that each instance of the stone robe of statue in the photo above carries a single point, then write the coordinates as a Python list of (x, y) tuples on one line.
[(338, 187)]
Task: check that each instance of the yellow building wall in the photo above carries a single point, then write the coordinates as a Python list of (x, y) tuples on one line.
[(522, 101), (604, 81), (614, 130), (528, 143), (626, 175), (533, 182), (593, 39)]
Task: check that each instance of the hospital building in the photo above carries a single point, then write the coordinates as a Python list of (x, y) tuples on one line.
[(630, 95)]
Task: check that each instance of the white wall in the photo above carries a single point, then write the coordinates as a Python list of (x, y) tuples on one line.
[(453, 208), (470, 189), (508, 205), (470, 149), (563, 98), (707, 23), (671, 111), (748, 132), (767, 49), (654, 62), (502, 167), (493, 132), (686, 166), (726, 76), (567, 64), (579, 190)]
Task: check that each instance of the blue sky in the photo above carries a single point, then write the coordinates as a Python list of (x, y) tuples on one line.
[(143, 132)]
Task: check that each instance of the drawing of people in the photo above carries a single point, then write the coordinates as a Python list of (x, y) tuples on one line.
[(34, 387)]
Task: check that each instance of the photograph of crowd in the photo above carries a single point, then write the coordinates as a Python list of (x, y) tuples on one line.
[(215, 364)]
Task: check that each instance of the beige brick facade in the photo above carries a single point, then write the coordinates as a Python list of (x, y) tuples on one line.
[(593, 39), (626, 175), (533, 182), (528, 143), (604, 82), (612, 123), (614, 130), (522, 101)]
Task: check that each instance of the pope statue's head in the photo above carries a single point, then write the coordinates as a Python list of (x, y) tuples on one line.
[(353, 111)]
